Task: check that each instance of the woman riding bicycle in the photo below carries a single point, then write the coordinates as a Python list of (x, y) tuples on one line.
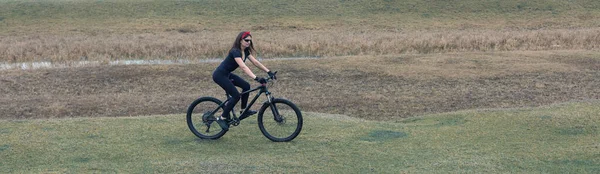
[(242, 49)]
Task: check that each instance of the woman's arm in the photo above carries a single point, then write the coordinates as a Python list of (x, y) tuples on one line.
[(257, 63), (244, 68)]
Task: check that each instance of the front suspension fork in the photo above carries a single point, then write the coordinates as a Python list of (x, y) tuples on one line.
[(276, 116)]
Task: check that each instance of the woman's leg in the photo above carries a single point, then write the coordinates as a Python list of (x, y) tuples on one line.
[(238, 81), (227, 85)]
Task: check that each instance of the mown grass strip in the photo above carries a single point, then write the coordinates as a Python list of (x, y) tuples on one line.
[(557, 139)]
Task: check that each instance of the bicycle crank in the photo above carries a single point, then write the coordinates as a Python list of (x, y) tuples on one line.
[(234, 122)]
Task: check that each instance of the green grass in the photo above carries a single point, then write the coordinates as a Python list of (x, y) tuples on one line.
[(554, 139), (27, 16), (233, 8)]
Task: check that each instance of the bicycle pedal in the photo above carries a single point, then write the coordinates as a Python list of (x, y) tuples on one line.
[(234, 122)]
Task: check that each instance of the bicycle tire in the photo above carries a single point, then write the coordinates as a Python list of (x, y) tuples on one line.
[(200, 116), (283, 129)]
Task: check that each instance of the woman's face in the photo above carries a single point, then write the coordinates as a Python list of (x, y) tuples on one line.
[(246, 42)]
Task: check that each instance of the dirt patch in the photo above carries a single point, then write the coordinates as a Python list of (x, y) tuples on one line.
[(376, 88)]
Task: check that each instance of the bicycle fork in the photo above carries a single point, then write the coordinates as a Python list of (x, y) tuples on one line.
[(276, 116)]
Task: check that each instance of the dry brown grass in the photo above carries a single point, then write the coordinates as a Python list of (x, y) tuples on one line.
[(371, 87), (178, 44)]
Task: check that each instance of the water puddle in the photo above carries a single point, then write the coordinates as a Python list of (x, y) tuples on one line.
[(43, 65)]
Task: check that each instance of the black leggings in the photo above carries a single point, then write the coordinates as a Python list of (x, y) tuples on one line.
[(228, 81)]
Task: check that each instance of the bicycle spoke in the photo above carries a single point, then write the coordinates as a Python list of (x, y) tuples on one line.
[(280, 121), (201, 118)]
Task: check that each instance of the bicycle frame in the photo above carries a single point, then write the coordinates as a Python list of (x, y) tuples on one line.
[(261, 89)]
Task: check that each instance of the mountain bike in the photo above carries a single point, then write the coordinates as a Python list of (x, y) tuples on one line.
[(279, 119)]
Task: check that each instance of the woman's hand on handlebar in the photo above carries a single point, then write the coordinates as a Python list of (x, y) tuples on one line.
[(272, 75), (260, 80)]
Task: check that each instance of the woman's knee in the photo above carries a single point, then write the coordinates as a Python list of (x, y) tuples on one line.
[(243, 84), (245, 87), (235, 96)]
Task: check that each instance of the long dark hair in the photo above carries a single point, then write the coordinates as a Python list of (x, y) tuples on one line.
[(240, 37)]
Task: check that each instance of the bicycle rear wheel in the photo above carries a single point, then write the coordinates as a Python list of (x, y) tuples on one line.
[(201, 118), (280, 120)]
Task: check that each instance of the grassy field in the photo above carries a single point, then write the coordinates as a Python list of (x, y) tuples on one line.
[(63, 31), (153, 15), (412, 86), (560, 138)]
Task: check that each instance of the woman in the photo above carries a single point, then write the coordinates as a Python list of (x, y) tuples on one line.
[(242, 49)]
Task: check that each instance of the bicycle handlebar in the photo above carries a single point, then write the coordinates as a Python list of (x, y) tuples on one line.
[(269, 79)]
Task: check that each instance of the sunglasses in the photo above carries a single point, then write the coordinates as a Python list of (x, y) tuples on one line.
[(248, 40)]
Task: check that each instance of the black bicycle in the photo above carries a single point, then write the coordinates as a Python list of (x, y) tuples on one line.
[(279, 119)]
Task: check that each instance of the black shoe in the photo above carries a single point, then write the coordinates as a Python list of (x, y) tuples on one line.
[(223, 123), (247, 114)]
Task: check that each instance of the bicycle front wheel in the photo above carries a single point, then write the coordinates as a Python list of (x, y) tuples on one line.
[(280, 120), (202, 118)]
